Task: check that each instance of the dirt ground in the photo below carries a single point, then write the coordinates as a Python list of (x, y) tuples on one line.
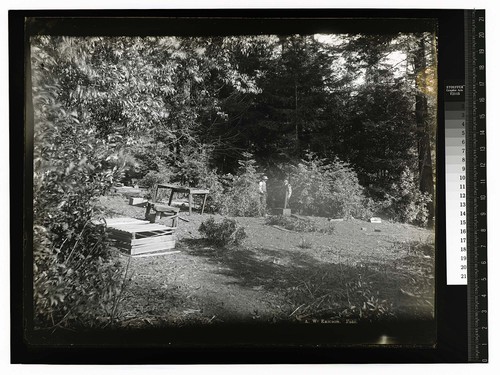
[(276, 274)]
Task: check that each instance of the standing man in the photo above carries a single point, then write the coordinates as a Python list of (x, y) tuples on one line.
[(263, 193), (288, 192)]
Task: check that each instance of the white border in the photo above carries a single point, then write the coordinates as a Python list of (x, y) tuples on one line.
[(493, 136)]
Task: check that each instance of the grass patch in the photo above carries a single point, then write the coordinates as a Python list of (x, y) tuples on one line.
[(299, 225), (403, 288)]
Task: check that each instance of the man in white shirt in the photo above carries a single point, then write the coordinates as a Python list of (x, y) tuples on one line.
[(288, 192), (263, 194)]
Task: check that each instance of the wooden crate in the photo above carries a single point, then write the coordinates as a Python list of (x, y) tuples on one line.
[(137, 201), (135, 236)]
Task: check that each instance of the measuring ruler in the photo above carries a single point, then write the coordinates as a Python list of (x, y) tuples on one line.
[(475, 100)]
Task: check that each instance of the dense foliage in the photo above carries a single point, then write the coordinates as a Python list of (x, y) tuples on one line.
[(406, 202), (75, 279), (241, 198), (328, 189)]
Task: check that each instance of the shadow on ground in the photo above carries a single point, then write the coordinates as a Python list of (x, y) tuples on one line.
[(314, 288)]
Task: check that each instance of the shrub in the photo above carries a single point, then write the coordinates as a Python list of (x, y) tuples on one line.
[(291, 223), (328, 189), (225, 233), (78, 284), (241, 198), (305, 243), (153, 178), (365, 303), (407, 203), (192, 165), (211, 181), (75, 278)]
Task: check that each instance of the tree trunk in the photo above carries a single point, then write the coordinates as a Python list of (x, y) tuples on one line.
[(296, 117), (426, 180)]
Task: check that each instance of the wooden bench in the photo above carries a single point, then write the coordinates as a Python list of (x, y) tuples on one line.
[(162, 210)]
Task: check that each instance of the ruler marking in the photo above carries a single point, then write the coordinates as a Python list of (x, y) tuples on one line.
[(476, 187)]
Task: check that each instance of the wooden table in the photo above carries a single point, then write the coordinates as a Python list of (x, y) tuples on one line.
[(186, 190)]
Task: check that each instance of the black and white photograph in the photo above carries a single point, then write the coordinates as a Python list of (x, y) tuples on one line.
[(212, 180)]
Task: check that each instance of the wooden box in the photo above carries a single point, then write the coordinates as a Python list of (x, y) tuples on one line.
[(137, 201), (135, 237)]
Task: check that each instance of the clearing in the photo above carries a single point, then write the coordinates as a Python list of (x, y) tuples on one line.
[(360, 271)]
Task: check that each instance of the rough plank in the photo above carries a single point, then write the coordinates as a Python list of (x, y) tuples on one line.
[(118, 220), (156, 241), (162, 246), (155, 253)]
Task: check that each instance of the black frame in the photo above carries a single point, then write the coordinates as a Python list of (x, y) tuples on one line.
[(243, 343)]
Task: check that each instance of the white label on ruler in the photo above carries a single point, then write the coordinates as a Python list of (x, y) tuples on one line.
[(456, 214)]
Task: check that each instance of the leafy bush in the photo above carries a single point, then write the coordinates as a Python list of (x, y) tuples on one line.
[(211, 181), (329, 189), (78, 284), (407, 203), (241, 197), (153, 178), (299, 225), (365, 303), (290, 223), (305, 243), (75, 280), (225, 233)]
